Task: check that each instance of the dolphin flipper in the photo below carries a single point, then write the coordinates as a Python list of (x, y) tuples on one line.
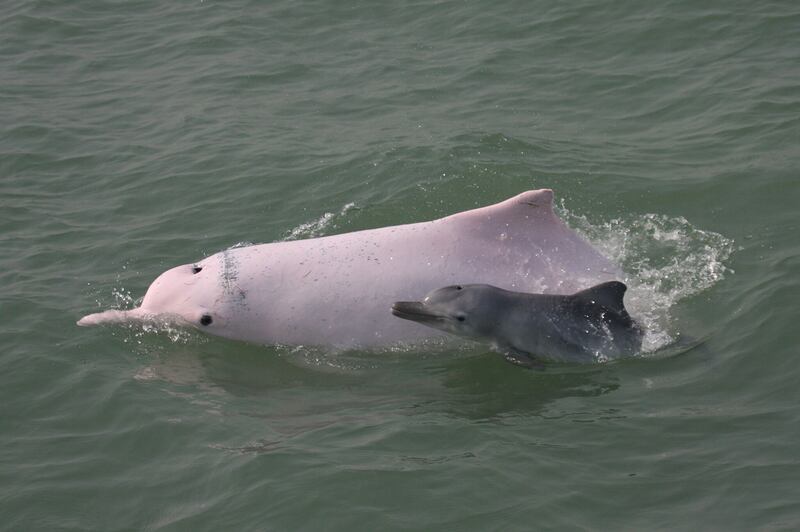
[(520, 358)]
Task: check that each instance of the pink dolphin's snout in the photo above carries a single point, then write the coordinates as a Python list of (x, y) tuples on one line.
[(179, 296), (113, 316)]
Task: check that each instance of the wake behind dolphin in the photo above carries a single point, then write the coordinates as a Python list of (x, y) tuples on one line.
[(337, 290), (525, 327)]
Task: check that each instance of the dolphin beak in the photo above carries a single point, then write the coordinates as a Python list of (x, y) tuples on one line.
[(414, 311), (113, 316)]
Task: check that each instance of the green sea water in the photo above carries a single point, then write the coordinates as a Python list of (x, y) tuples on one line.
[(138, 135)]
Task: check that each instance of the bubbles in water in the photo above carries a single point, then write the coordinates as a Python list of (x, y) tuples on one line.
[(175, 333), (665, 259), (123, 298), (328, 360), (136, 333)]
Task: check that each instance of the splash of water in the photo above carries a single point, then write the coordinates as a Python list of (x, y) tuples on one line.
[(317, 227), (665, 259), (134, 332)]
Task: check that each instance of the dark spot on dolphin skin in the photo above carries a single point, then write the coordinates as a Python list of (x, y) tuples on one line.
[(197, 269), (206, 320)]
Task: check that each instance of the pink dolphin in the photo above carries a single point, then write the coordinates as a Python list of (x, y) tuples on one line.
[(338, 290)]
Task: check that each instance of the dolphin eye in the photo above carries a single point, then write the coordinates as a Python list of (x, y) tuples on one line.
[(197, 269), (459, 287), (206, 320), (461, 317)]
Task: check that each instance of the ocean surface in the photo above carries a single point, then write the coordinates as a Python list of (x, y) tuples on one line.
[(139, 135)]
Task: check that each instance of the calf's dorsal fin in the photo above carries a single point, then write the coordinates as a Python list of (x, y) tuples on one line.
[(608, 295)]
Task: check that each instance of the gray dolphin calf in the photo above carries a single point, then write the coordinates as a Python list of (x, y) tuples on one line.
[(583, 327)]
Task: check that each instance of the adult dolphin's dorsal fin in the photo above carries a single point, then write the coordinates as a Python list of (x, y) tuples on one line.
[(529, 202), (609, 295), (533, 204), (539, 199)]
